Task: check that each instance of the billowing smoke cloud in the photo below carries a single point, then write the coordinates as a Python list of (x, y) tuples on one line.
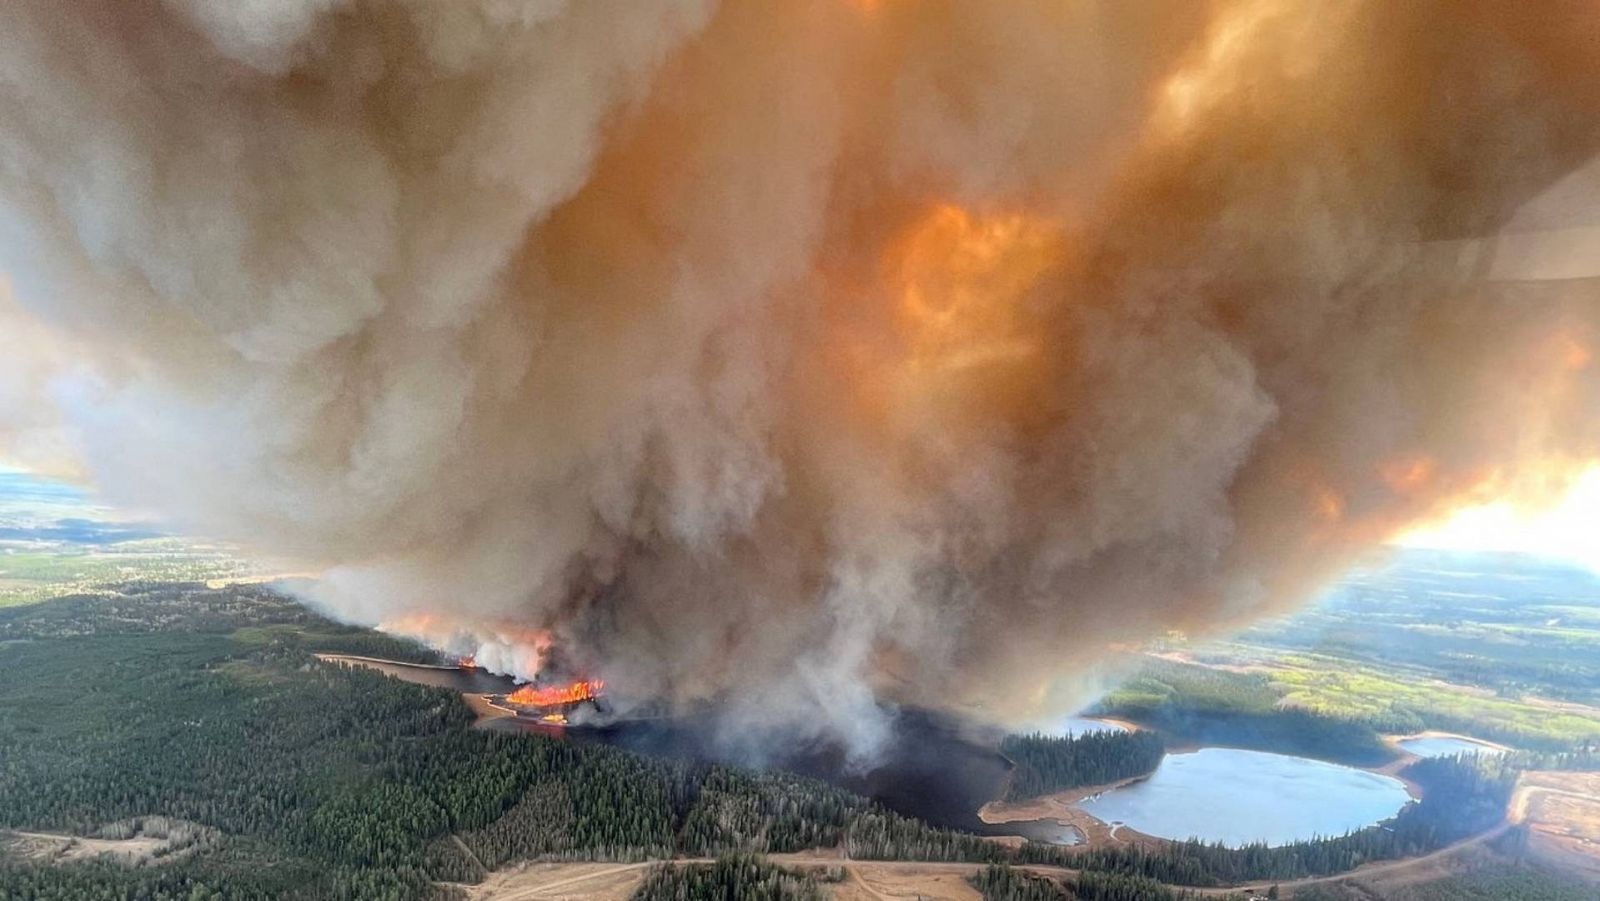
[(807, 354)]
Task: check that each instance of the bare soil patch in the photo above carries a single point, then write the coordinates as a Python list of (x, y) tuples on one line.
[(875, 883), (1562, 813), (130, 842), (546, 881)]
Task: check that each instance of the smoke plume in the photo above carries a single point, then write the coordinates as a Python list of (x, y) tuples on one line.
[(804, 355)]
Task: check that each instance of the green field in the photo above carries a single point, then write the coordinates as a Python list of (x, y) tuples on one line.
[(57, 539), (30, 573), (1501, 647)]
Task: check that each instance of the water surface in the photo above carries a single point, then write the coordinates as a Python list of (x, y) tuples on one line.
[(471, 681), (1446, 746), (1238, 797)]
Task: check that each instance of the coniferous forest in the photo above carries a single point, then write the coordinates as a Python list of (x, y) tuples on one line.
[(206, 712), (1001, 882), (1045, 763), (743, 877), (1200, 706), (324, 781)]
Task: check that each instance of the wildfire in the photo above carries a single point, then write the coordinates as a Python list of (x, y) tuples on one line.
[(555, 695), (497, 646)]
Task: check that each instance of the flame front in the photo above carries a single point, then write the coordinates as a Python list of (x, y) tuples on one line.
[(556, 695)]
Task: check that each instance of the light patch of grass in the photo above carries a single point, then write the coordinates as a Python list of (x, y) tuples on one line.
[(29, 576), (1337, 688)]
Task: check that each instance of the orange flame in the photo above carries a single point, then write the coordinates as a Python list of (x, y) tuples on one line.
[(468, 662), (555, 695)]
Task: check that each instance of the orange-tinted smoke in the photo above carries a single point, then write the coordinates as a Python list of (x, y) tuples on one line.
[(802, 356)]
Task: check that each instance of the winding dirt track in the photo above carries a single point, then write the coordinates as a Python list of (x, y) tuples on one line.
[(1516, 811), (1388, 867), (855, 876)]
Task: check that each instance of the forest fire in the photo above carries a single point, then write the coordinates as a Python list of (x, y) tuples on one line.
[(469, 662), (796, 354), (557, 695)]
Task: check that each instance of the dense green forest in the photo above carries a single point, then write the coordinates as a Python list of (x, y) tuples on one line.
[(1490, 877), (741, 877), (334, 782), (1204, 706), (314, 780), (1093, 886), (1003, 882), (1044, 764)]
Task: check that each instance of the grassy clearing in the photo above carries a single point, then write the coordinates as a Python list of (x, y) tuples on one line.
[(1395, 703), (32, 575), (1188, 697)]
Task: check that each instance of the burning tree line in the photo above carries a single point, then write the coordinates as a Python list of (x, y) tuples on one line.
[(560, 695)]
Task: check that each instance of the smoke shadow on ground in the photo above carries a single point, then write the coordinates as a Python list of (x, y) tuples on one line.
[(935, 767), (932, 767)]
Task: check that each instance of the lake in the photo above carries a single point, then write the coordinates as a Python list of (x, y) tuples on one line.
[(1445, 746), (1238, 797), (470, 681)]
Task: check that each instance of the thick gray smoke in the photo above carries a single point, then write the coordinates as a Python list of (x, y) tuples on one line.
[(801, 355)]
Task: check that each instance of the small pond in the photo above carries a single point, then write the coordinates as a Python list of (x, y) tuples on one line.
[(1238, 797), (1446, 746)]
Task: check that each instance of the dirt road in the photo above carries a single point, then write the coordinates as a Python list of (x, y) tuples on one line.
[(1516, 813)]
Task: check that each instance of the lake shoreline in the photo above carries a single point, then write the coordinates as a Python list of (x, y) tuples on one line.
[(1060, 807), (1064, 807), (1396, 741), (1077, 826)]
